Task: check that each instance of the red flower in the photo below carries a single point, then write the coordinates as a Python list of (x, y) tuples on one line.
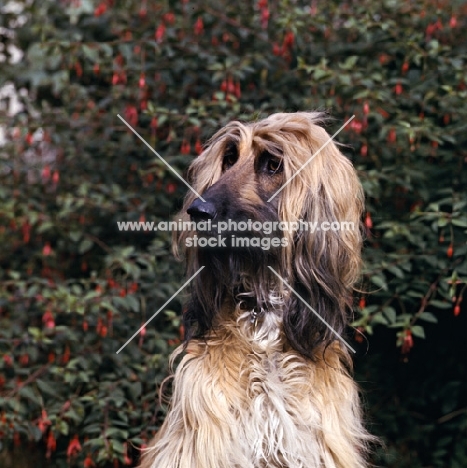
[(356, 126), (47, 250), (78, 69), (230, 86), (289, 39), (457, 310), (185, 148), (51, 444), (160, 32), (24, 359), (199, 26), (238, 91), (169, 18), (8, 360), (264, 17), (366, 108), (170, 188), (392, 137), (66, 355), (88, 463), (74, 447), (45, 173), (48, 319), (126, 459), (359, 335), (407, 344), (198, 147), (450, 251), (43, 422), (122, 77), (100, 9), (276, 49), (131, 115)]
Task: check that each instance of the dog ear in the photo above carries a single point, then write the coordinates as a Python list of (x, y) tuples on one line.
[(317, 280), (325, 263)]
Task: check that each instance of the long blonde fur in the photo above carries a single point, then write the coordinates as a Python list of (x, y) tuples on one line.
[(246, 395)]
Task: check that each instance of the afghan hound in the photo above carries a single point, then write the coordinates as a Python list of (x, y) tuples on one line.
[(264, 380)]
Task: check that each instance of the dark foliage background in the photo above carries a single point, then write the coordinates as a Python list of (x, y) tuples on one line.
[(74, 289)]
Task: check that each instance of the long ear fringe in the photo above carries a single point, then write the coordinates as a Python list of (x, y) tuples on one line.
[(303, 329), (323, 265)]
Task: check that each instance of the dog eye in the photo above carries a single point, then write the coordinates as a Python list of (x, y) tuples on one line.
[(274, 165), (230, 157)]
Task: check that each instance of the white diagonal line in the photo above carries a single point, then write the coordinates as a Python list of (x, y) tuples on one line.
[(311, 159), (160, 309), (160, 157), (311, 308)]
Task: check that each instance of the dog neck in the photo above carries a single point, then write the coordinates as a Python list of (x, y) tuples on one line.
[(260, 327)]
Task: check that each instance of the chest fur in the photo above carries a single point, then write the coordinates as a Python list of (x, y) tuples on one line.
[(237, 403)]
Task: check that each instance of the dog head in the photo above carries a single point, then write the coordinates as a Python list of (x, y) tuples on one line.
[(282, 169)]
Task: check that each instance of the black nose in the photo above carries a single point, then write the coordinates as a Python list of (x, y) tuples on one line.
[(201, 211)]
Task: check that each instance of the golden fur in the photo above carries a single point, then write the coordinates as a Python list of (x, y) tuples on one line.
[(274, 389)]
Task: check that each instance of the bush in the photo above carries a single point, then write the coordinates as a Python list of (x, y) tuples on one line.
[(74, 288)]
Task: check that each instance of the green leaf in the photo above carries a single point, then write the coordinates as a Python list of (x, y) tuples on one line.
[(28, 393), (379, 318), (440, 304), (428, 317), (380, 282), (390, 313), (46, 388), (418, 331), (85, 245)]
